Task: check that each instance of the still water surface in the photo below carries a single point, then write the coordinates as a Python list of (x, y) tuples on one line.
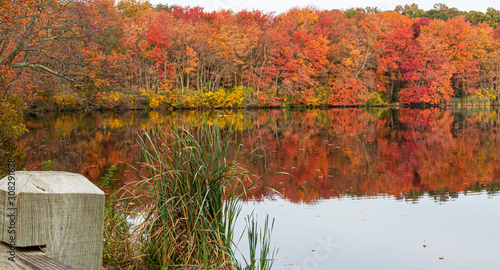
[(364, 189)]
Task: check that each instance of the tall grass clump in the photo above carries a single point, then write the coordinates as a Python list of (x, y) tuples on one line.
[(258, 240), (118, 249), (192, 198)]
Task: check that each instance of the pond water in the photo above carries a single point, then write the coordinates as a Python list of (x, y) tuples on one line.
[(364, 188)]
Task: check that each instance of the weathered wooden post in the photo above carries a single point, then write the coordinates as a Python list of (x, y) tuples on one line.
[(64, 212)]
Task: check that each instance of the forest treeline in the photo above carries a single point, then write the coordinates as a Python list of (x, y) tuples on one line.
[(98, 54)]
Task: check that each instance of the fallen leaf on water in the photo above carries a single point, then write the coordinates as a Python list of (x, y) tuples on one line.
[(313, 250), (425, 245), (441, 258)]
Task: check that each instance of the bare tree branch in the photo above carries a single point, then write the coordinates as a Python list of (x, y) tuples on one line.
[(42, 67)]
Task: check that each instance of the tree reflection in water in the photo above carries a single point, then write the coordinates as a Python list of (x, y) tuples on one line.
[(332, 153)]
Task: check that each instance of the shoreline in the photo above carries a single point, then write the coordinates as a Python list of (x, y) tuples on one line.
[(390, 105)]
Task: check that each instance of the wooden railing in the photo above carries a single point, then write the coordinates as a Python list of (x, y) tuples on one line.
[(50, 220)]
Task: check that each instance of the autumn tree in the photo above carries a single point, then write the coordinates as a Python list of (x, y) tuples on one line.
[(466, 47), (29, 31), (353, 60), (413, 11), (428, 74), (397, 49), (257, 68), (442, 12), (300, 55), (159, 35), (488, 45)]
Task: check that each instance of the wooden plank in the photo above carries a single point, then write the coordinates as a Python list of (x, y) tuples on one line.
[(29, 259), (44, 262)]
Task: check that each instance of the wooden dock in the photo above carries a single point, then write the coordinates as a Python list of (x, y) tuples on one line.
[(29, 259)]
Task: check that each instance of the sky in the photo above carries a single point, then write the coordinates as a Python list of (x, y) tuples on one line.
[(284, 5)]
